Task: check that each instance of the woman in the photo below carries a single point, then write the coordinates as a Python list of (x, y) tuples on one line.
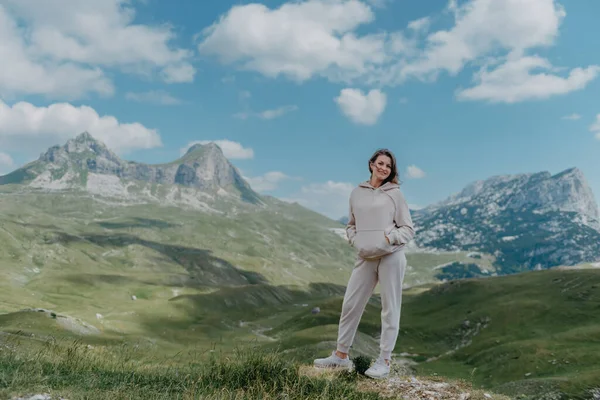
[(379, 227)]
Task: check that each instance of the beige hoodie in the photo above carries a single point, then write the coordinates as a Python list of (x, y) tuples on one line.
[(376, 213)]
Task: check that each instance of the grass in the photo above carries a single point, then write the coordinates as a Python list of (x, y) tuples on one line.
[(284, 243), (207, 281), (83, 257), (539, 331), (77, 371), (527, 334), (74, 370)]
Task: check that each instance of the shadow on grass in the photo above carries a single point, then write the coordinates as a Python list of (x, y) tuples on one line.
[(219, 313), (204, 269), (254, 300), (31, 225), (116, 280), (138, 222), (134, 222)]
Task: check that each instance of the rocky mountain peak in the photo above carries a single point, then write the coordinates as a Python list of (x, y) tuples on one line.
[(84, 137), (527, 221), (572, 172), (85, 142), (566, 191), (208, 155), (86, 161), (573, 185), (205, 164), (83, 145), (211, 146)]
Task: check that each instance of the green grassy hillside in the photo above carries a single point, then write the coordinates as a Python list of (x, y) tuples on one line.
[(178, 283), (527, 333), (84, 254), (76, 371)]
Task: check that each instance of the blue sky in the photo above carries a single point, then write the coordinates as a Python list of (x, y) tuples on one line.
[(300, 93)]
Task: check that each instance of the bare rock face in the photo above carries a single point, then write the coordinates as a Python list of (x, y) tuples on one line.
[(566, 191), (528, 221), (203, 167)]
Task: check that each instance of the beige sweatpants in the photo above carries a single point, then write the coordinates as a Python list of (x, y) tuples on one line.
[(389, 272)]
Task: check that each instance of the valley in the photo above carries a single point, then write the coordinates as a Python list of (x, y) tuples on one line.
[(195, 263)]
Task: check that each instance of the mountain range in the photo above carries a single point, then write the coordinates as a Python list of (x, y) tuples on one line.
[(86, 163), (525, 221), (186, 257)]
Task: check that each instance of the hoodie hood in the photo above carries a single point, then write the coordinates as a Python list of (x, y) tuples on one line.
[(386, 186)]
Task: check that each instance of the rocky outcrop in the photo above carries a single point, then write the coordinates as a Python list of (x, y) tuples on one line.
[(528, 221), (402, 383), (566, 191), (203, 167)]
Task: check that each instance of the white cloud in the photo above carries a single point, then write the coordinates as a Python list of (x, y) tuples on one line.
[(266, 182), (379, 3), (362, 108), (6, 161), (414, 172), (572, 117), (232, 150), (63, 54), (181, 73), (329, 198), (595, 127), (298, 40), (513, 81), (501, 33), (485, 26), (304, 39), (153, 96), (420, 25), (28, 128), (21, 73), (267, 114), (277, 112)]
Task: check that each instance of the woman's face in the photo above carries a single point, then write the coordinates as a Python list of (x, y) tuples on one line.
[(382, 167)]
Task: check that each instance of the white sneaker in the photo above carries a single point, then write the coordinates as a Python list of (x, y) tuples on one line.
[(378, 370), (333, 361)]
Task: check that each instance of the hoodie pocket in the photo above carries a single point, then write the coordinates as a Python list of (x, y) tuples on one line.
[(371, 244)]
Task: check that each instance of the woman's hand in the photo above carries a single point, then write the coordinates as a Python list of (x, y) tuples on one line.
[(387, 239)]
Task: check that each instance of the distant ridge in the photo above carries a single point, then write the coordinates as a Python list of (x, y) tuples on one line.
[(203, 167)]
